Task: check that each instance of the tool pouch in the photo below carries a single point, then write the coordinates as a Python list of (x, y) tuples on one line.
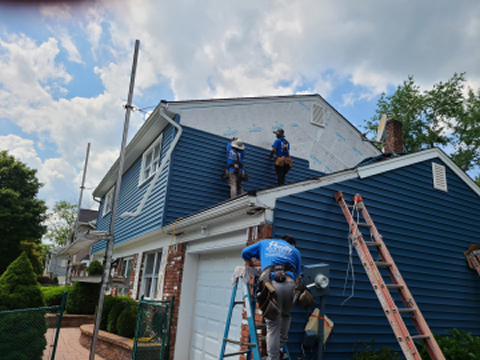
[(306, 299), (266, 299), (280, 161), (279, 273)]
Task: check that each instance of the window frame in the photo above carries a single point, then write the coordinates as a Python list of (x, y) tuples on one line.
[(107, 206), (154, 276), (125, 262), (153, 163)]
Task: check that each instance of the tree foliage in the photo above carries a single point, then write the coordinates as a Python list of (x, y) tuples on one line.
[(32, 250), (61, 221), (21, 213), (447, 116)]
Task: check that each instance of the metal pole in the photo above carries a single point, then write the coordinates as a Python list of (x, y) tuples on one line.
[(321, 328), (82, 187), (111, 240)]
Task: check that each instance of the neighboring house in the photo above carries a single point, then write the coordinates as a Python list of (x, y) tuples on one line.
[(425, 207), (79, 262), (55, 267)]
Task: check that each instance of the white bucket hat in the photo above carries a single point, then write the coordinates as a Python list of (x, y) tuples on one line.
[(238, 144)]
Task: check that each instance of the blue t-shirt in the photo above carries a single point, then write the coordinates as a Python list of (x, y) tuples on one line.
[(278, 144), (232, 156), (274, 251)]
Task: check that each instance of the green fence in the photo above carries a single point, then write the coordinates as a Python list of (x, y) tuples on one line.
[(152, 334), (30, 334)]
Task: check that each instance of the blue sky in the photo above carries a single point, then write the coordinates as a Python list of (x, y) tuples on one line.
[(64, 69)]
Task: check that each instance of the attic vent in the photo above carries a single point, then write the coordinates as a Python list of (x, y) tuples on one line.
[(439, 177), (318, 115)]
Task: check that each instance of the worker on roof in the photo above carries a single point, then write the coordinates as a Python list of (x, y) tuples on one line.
[(281, 264), (281, 153), (236, 173)]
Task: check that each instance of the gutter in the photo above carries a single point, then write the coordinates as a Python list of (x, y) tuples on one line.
[(159, 171), (244, 202)]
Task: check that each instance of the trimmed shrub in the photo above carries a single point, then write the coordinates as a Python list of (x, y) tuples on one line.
[(45, 280), (83, 298), (53, 294), (19, 288), (116, 311), (95, 268), (22, 335), (108, 302), (368, 353), (460, 345), (127, 321)]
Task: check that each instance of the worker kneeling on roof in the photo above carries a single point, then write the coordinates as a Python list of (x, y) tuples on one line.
[(281, 262)]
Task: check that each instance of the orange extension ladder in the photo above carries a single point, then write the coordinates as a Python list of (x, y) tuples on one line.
[(393, 313)]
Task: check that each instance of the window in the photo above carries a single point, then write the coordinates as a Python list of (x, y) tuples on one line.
[(150, 274), (439, 177), (126, 272), (108, 201), (151, 160)]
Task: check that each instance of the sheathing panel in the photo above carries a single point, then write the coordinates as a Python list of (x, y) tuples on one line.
[(426, 231)]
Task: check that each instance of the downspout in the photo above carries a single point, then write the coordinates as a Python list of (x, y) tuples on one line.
[(167, 157)]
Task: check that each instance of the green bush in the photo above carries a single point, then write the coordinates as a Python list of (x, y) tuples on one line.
[(108, 302), (95, 268), (127, 321), (368, 353), (116, 311), (45, 280), (53, 294), (83, 298), (459, 346), (19, 288), (22, 335)]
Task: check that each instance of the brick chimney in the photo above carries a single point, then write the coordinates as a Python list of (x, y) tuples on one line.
[(394, 130)]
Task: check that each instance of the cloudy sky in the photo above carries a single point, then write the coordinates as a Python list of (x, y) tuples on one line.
[(64, 68)]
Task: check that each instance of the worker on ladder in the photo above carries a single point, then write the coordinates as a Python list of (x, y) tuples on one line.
[(281, 263)]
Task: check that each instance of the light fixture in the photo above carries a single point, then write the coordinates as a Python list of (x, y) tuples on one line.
[(321, 281)]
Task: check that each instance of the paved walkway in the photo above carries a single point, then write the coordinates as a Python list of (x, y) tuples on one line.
[(68, 346)]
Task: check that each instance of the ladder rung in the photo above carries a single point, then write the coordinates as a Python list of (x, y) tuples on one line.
[(352, 206), (237, 342), (364, 224), (407, 310), (236, 353), (383, 264), (238, 302), (372, 243), (420, 337), (394, 286)]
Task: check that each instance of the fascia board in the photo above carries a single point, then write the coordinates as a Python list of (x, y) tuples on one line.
[(410, 159), (149, 131), (268, 197)]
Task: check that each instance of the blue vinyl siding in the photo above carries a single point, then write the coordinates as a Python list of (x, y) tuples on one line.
[(131, 195), (426, 231), (198, 161)]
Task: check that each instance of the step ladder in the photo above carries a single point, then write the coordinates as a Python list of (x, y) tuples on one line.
[(393, 313), (253, 348)]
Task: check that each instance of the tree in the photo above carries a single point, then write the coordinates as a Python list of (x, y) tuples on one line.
[(448, 116), (21, 213), (32, 250), (62, 219)]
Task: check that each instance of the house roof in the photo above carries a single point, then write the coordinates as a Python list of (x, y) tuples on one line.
[(152, 127), (266, 198), (87, 215)]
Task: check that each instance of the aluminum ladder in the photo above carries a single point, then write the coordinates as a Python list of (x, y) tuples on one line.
[(250, 303), (393, 313)]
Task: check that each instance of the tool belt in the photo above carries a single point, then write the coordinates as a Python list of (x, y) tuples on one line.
[(302, 294), (284, 161)]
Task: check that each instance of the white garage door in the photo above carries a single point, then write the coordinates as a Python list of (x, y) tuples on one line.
[(213, 295)]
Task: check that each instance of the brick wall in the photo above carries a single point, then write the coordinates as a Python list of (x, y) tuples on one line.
[(255, 234), (173, 287)]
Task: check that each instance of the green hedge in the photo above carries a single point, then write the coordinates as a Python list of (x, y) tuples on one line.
[(53, 294), (127, 321), (115, 312), (83, 298)]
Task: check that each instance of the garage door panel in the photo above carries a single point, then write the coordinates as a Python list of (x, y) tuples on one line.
[(213, 295)]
